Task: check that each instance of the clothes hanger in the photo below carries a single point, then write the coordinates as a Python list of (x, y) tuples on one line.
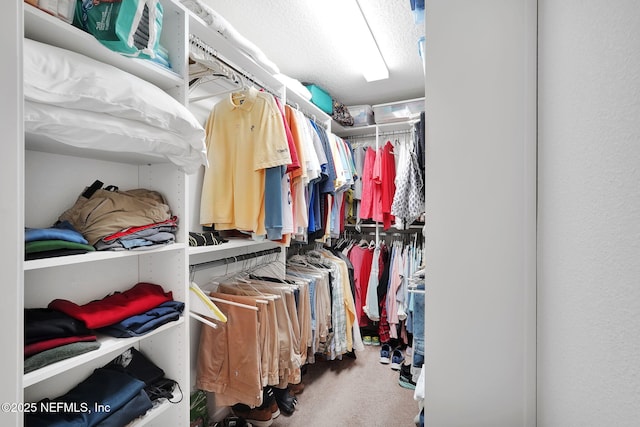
[(202, 305), (236, 304), (202, 320)]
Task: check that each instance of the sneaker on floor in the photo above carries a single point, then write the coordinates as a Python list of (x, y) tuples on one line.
[(375, 340), (366, 340), (405, 379), (255, 416), (385, 354), (396, 360)]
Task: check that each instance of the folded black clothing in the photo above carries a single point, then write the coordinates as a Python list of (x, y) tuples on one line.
[(54, 253), (136, 364), (206, 238), (44, 324)]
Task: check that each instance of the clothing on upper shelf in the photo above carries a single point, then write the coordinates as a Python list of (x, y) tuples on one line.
[(105, 219), (104, 212), (146, 235), (59, 240)]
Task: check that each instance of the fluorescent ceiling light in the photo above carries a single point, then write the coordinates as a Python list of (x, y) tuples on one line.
[(346, 18)]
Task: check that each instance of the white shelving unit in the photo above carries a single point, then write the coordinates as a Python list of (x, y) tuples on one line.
[(51, 175), (55, 174)]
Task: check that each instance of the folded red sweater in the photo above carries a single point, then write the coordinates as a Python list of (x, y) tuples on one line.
[(115, 307), (37, 347)]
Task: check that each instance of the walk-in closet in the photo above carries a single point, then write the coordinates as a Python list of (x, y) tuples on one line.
[(230, 213)]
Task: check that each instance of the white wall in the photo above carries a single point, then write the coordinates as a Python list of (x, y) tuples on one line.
[(589, 213), (481, 142), (11, 209)]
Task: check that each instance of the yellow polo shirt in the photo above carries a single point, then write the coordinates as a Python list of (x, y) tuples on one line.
[(245, 135)]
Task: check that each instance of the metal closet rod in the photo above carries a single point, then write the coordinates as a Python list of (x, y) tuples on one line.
[(237, 258), (196, 41), (382, 134)]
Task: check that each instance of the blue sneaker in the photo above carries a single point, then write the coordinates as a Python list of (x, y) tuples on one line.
[(396, 359), (385, 354)]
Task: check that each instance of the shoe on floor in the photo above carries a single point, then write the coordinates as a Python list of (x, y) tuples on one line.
[(275, 411), (269, 401), (366, 340), (255, 416), (405, 378), (385, 354), (296, 388), (396, 359), (375, 340), (286, 402)]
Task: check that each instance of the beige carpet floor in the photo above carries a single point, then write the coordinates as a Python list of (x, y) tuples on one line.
[(354, 393)]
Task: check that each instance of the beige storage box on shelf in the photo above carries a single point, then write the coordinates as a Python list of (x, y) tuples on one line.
[(362, 115), (398, 111)]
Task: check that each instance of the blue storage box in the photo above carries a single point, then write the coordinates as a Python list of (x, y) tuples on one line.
[(321, 98)]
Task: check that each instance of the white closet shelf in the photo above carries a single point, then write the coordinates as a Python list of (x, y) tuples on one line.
[(346, 131), (233, 243), (230, 53), (94, 257), (108, 346), (307, 106), (46, 144), (40, 26)]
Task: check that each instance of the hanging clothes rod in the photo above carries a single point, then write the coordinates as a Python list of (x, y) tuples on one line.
[(309, 116), (233, 259), (213, 54), (390, 232), (382, 134)]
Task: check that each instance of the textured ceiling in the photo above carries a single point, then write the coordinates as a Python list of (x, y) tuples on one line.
[(310, 49)]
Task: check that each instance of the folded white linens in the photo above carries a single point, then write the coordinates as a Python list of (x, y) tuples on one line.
[(98, 131), (68, 80)]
